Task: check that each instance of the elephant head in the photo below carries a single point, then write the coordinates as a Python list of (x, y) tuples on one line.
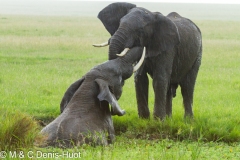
[(132, 26), (86, 117)]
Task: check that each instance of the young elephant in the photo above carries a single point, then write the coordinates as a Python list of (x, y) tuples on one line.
[(86, 117)]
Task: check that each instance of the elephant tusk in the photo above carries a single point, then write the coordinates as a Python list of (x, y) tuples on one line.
[(123, 52), (138, 65), (101, 45)]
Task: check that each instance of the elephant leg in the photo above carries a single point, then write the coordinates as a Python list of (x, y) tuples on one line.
[(161, 75), (170, 94), (160, 90), (141, 87), (169, 102), (187, 88)]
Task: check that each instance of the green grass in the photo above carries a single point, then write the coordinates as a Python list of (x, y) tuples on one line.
[(17, 130), (41, 56)]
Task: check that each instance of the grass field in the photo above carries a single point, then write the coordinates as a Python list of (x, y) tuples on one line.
[(40, 56)]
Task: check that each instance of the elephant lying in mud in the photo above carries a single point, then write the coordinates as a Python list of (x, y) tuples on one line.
[(173, 53), (86, 117)]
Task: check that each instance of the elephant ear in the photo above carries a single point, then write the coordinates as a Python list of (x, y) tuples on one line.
[(165, 36), (69, 93), (105, 94), (111, 15)]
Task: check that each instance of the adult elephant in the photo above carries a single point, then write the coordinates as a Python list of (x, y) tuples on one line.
[(86, 117), (173, 53)]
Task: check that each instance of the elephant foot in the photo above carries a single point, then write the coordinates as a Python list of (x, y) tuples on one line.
[(162, 119), (159, 114), (144, 117), (143, 112), (169, 114), (188, 118), (188, 115)]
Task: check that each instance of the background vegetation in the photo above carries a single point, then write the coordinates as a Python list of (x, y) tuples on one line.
[(40, 56)]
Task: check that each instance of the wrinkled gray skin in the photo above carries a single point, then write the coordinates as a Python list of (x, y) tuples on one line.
[(173, 53), (86, 117)]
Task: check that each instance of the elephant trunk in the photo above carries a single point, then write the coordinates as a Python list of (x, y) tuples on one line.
[(133, 55), (117, 43), (128, 61)]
